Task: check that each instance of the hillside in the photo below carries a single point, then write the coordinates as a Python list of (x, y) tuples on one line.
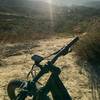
[(17, 21), (33, 26), (19, 16)]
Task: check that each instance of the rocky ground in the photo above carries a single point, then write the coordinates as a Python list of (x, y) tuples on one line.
[(16, 62)]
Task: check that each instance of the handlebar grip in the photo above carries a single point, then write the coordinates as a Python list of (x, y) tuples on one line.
[(64, 50)]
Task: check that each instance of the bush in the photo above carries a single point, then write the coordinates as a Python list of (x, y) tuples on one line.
[(88, 49)]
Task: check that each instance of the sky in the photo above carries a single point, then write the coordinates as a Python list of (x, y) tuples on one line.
[(67, 2)]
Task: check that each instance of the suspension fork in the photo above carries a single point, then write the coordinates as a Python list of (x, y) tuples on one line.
[(55, 85), (58, 90)]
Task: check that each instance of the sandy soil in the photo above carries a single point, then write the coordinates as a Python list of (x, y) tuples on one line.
[(17, 66)]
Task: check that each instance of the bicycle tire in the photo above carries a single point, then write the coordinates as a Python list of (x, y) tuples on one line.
[(12, 86)]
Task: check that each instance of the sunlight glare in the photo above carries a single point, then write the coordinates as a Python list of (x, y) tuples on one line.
[(51, 13), (50, 1)]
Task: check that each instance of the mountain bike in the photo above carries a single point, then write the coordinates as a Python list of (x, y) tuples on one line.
[(31, 88)]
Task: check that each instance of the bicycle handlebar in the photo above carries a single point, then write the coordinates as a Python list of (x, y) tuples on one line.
[(63, 51)]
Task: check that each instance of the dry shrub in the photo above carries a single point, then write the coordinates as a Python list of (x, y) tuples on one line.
[(22, 37), (88, 49)]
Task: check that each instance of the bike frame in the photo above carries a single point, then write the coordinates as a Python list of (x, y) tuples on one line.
[(54, 83)]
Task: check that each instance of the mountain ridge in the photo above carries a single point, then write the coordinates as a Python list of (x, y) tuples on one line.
[(24, 6), (93, 4)]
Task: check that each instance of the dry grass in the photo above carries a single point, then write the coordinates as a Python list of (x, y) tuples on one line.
[(21, 37), (18, 66)]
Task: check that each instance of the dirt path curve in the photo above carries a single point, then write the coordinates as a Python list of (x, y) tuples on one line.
[(18, 66)]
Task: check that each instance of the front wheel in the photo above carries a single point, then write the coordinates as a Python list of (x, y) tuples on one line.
[(13, 88)]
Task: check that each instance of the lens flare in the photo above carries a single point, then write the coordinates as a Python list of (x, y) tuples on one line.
[(49, 1), (51, 13)]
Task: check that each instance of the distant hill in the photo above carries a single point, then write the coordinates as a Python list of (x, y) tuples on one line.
[(24, 6), (23, 3), (26, 16), (93, 4)]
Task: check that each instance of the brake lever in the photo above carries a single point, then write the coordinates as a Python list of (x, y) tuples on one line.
[(39, 65)]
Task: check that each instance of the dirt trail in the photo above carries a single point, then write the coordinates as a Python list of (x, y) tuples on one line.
[(19, 65)]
